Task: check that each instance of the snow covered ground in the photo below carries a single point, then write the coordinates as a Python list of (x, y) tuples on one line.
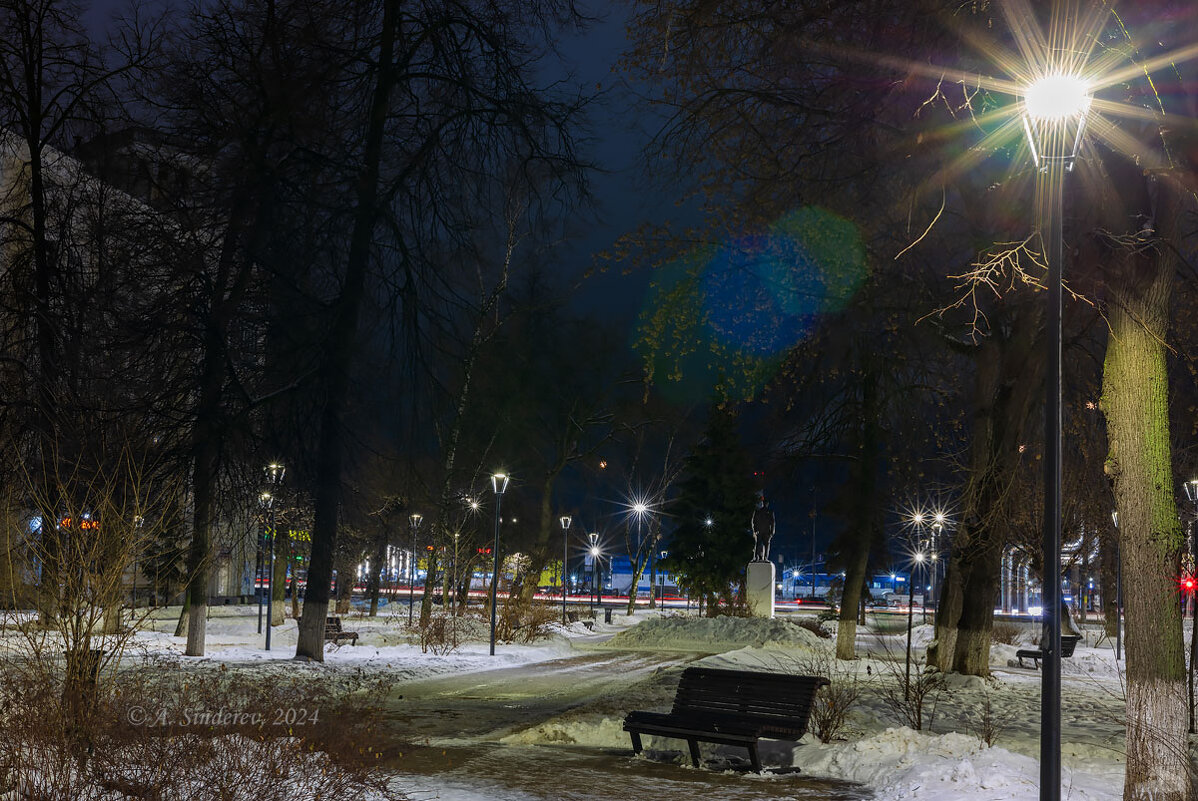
[(544, 721)]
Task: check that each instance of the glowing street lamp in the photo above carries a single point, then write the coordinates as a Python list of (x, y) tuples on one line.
[(499, 486), (565, 520), (593, 537), (1054, 116), (639, 508)]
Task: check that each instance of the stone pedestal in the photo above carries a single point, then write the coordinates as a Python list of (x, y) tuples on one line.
[(759, 589)]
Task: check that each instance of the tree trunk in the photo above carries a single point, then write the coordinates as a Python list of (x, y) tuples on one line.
[(374, 581), (430, 583), (278, 586), (1135, 403), (846, 631), (943, 648), (339, 350), (864, 518), (184, 616), (295, 604), (202, 481), (1008, 377), (972, 647)]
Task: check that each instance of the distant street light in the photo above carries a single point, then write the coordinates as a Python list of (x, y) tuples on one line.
[(414, 521), (641, 510), (594, 540), (565, 520), (499, 486), (274, 477)]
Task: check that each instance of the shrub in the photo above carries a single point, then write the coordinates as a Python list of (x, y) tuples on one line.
[(183, 734), (1005, 632), (815, 628)]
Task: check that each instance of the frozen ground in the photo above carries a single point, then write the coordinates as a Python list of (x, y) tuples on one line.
[(543, 721)]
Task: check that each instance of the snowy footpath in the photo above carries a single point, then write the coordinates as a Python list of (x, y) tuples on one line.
[(544, 721)]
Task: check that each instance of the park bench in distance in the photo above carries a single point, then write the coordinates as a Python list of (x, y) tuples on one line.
[(1068, 644), (333, 631), (731, 707)]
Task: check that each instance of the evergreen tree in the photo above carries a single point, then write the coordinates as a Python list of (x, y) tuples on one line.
[(713, 540)]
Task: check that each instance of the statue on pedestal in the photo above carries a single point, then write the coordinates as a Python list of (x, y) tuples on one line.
[(763, 529)]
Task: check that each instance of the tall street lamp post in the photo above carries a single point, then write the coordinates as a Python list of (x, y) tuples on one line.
[(274, 477), (265, 501), (414, 523), (910, 621), (1118, 590), (1054, 117), (499, 486), (258, 565), (565, 521)]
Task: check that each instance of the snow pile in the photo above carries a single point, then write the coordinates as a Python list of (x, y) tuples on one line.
[(715, 635), (901, 763)]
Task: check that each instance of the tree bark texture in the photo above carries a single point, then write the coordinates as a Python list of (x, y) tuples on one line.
[(1135, 403)]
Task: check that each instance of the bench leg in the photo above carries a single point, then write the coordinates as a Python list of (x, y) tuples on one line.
[(694, 751), (636, 742), (754, 758)]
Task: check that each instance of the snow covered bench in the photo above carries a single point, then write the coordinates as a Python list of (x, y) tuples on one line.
[(731, 707), (333, 631), (1068, 644)]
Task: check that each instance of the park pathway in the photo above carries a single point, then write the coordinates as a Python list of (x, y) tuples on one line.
[(446, 741)]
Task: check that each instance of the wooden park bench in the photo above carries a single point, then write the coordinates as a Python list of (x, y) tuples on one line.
[(334, 632), (731, 707), (1068, 644)]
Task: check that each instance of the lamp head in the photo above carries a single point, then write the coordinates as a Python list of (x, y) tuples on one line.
[(265, 500), (275, 472), (1056, 97), (499, 482), (415, 518), (566, 520)]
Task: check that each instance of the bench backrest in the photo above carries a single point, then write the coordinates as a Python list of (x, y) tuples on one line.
[(332, 624), (782, 697)]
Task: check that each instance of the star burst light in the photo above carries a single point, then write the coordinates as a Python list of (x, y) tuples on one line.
[(1071, 70)]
